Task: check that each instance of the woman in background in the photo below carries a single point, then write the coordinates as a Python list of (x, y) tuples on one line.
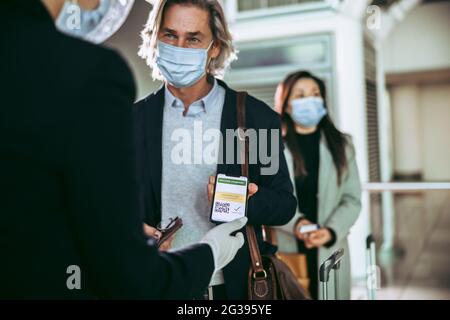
[(322, 165)]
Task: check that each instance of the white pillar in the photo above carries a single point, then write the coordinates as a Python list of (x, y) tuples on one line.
[(355, 9), (231, 10), (406, 125), (350, 79), (386, 151)]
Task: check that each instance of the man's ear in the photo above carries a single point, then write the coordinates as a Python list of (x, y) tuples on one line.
[(216, 49)]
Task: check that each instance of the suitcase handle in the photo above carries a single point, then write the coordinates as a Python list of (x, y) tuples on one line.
[(370, 239), (333, 262)]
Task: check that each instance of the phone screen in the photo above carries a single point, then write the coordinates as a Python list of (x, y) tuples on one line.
[(230, 199)]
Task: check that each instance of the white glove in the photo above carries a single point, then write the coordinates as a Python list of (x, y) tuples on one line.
[(225, 246)]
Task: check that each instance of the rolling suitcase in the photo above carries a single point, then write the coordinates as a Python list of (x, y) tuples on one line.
[(332, 263)]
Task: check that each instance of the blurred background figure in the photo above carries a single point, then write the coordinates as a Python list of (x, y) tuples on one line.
[(323, 169)]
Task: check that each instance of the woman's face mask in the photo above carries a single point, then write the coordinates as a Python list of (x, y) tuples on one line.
[(308, 112), (181, 67)]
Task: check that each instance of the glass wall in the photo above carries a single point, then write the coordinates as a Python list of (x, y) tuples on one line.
[(263, 64)]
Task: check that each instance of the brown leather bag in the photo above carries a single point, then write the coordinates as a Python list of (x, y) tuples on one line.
[(269, 278), (297, 262)]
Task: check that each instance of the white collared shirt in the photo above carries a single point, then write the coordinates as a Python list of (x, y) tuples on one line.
[(215, 95)]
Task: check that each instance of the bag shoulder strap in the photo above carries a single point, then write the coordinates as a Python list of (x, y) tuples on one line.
[(255, 254)]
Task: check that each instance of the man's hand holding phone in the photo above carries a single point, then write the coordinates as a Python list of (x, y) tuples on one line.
[(228, 196), (252, 189)]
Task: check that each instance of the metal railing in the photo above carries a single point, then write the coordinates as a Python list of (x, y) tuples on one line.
[(405, 186), (387, 189)]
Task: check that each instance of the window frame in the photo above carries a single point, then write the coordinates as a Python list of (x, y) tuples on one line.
[(285, 9)]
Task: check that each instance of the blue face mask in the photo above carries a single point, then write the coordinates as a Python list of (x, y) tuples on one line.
[(75, 21), (308, 112), (181, 67)]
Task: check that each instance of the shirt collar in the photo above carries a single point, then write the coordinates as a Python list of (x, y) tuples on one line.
[(205, 102)]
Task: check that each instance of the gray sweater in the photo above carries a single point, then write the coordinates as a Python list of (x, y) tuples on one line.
[(190, 157)]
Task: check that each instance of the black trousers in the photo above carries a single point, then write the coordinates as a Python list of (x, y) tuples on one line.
[(312, 261)]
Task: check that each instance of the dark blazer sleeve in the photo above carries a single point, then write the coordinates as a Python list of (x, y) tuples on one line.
[(274, 204), (102, 197), (140, 168)]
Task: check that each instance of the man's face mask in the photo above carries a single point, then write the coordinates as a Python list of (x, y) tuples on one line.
[(181, 67), (93, 25)]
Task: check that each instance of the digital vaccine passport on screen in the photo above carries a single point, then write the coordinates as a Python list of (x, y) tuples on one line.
[(230, 199)]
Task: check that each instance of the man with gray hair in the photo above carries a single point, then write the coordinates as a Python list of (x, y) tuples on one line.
[(180, 132)]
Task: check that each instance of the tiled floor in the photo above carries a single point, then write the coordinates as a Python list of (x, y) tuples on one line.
[(420, 267)]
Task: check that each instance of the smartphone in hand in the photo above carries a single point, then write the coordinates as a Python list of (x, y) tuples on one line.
[(230, 199), (309, 228)]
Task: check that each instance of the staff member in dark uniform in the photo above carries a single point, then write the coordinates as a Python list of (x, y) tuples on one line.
[(69, 204)]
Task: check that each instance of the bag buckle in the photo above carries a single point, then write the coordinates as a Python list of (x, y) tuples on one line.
[(260, 275)]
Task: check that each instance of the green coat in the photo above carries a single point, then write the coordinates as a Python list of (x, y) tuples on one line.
[(338, 209)]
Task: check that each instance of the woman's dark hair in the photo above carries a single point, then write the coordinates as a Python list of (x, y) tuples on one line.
[(336, 140)]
